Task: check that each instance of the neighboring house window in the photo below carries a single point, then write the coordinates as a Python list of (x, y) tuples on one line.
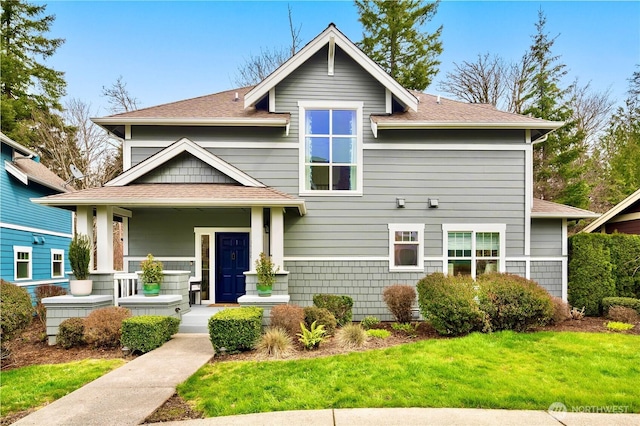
[(331, 148), (406, 247), (473, 249), (57, 263), (22, 262)]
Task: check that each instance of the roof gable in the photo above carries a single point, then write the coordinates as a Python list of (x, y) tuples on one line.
[(332, 36), (174, 150), (615, 210)]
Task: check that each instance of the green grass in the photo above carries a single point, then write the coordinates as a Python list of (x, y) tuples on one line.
[(36, 385), (501, 370)]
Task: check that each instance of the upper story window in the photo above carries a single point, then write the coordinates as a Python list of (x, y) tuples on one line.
[(474, 249), (330, 148), (57, 263), (406, 247), (22, 262)]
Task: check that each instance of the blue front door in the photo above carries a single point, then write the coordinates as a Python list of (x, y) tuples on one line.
[(232, 260)]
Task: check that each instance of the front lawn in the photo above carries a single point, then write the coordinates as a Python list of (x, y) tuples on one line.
[(30, 387), (527, 371)]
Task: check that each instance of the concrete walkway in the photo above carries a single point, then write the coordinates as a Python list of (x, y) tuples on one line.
[(129, 394)]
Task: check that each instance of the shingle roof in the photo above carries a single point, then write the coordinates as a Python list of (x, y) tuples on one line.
[(614, 211), (548, 209), (39, 173)]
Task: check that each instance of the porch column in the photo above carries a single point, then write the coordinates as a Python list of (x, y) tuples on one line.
[(257, 239), (84, 225), (104, 238), (277, 236)]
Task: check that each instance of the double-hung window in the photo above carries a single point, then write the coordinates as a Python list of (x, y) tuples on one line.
[(57, 263), (330, 148), (406, 247), (22, 262), (473, 249)]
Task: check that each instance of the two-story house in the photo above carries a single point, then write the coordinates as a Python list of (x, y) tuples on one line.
[(347, 179)]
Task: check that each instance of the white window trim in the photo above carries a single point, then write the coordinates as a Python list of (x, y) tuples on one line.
[(500, 228), (62, 271), (358, 107), (22, 249), (411, 227)]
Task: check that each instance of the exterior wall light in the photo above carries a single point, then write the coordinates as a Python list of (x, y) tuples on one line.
[(433, 203), (400, 203)]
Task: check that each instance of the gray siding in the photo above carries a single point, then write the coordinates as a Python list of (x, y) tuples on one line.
[(185, 168), (517, 268), (546, 237), (548, 275), (201, 133)]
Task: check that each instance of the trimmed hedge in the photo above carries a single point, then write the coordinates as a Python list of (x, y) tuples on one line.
[(512, 302), (591, 276), (447, 302), (626, 302), (71, 333), (340, 306), (321, 316), (625, 257), (235, 329), (16, 310), (147, 332)]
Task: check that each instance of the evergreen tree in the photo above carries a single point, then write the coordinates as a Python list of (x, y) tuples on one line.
[(27, 84), (559, 161), (393, 37)]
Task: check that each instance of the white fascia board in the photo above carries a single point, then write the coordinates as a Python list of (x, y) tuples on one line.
[(258, 92), (563, 215), (551, 125), (16, 172), (253, 122), (177, 148), (613, 212), (15, 145), (172, 202)]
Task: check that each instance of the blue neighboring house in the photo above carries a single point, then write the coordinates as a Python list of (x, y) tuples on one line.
[(34, 239)]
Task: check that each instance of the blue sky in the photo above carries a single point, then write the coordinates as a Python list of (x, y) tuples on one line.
[(172, 50)]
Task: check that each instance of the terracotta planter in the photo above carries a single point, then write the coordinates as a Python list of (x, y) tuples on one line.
[(81, 287), (264, 290), (151, 289)]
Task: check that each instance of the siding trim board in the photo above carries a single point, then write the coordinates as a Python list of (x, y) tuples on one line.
[(36, 230), (444, 147), (22, 283)]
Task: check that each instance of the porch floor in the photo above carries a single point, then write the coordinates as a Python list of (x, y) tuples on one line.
[(197, 320)]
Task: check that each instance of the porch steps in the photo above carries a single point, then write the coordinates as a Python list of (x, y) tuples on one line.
[(197, 320)]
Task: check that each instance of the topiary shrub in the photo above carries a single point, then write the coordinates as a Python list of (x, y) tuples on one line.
[(512, 302), (322, 316), (147, 332), (447, 302), (16, 310), (561, 310), (275, 343), (103, 327), (400, 299), (42, 292), (351, 336), (627, 302), (340, 306), (590, 272), (622, 314), (235, 329), (288, 318), (71, 333)]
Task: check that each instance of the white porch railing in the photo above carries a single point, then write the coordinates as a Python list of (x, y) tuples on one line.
[(124, 285)]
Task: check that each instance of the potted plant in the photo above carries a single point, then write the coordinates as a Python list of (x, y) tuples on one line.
[(80, 259), (151, 276), (266, 275)]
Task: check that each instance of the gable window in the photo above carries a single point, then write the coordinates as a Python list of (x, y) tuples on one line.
[(22, 263), (406, 247), (330, 148), (57, 263), (473, 249)]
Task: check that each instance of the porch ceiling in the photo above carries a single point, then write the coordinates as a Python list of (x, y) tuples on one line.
[(175, 195)]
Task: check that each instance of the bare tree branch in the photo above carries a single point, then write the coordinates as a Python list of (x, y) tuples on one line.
[(518, 80), (591, 110), (119, 97), (482, 81)]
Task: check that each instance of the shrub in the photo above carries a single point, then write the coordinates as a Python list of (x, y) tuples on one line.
[(561, 310), (512, 302), (368, 322), (340, 306), (619, 326), (351, 336), (577, 314), (622, 314), (590, 272), (71, 333), (287, 317), (625, 257), (44, 291), (16, 310), (80, 256), (447, 302), (406, 328), (147, 332), (627, 302), (379, 333), (400, 300), (103, 327), (322, 316), (312, 337), (235, 329), (275, 343)]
